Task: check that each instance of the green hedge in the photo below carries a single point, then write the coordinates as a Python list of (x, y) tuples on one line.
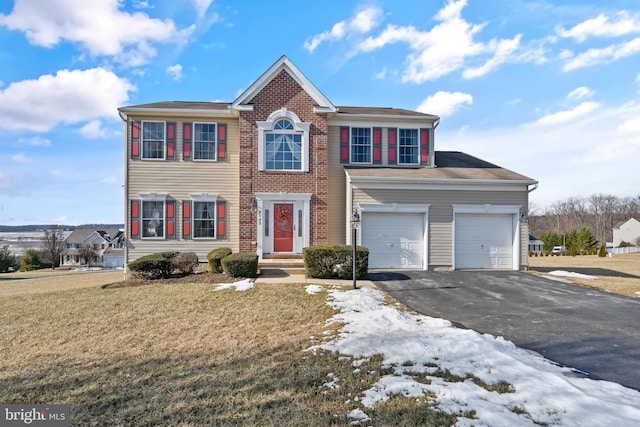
[(153, 266), (242, 264), (214, 258), (335, 262)]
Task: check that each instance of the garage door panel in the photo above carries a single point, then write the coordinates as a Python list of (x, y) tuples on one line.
[(484, 241), (395, 240)]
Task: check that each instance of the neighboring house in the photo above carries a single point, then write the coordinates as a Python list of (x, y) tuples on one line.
[(535, 245), (281, 168), (626, 231), (100, 241)]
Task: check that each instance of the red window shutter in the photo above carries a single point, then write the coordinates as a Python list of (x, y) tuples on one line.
[(186, 141), (135, 219), (222, 141), (344, 144), (171, 219), (135, 140), (222, 219), (171, 141), (377, 146), (424, 146), (393, 148), (186, 219)]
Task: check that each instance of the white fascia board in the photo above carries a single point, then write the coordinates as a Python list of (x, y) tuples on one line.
[(175, 112), (283, 64), (377, 120), (382, 183)]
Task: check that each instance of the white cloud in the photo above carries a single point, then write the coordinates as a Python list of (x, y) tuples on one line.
[(608, 54), (568, 116), (445, 47), (112, 179), (35, 141), (602, 26), (581, 92), (21, 158), (363, 22), (444, 103), (141, 4), (595, 152), (201, 6), (93, 130), (503, 51), (99, 26), (175, 71), (70, 96)]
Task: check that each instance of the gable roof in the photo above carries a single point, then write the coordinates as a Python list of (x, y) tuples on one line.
[(283, 64), (621, 223)]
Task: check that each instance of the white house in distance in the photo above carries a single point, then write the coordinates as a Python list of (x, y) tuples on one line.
[(108, 247), (627, 231)]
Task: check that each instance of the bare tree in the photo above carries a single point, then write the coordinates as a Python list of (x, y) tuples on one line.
[(53, 246), (86, 253), (604, 208)]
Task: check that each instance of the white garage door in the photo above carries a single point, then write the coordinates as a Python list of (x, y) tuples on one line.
[(395, 240), (483, 241)]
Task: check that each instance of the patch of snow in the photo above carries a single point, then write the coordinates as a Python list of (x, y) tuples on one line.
[(76, 269), (314, 289), (544, 391), (563, 273), (637, 293), (359, 415), (242, 285)]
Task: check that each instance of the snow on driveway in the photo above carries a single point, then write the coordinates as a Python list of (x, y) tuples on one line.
[(543, 391)]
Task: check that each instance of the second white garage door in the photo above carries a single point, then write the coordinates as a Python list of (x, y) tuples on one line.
[(483, 241), (395, 240)]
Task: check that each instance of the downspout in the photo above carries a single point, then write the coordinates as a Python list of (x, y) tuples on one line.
[(125, 119)]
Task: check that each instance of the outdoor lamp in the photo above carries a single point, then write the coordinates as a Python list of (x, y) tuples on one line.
[(355, 222)]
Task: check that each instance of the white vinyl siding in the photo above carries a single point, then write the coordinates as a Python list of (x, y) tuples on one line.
[(180, 181)]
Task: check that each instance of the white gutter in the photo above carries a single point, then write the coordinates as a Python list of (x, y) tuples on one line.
[(396, 180), (176, 111)]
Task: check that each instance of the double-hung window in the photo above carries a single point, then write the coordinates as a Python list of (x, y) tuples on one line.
[(153, 140), (204, 141), (361, 145), (408, 146), (152, 218), (283, 147), (204, 219)]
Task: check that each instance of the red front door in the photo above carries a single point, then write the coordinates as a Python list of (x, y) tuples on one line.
[(283, 227)]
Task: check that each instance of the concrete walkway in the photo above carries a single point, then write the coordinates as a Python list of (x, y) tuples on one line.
[(279, 276)]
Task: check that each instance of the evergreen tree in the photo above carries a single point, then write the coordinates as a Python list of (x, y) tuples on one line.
[(7, 261)]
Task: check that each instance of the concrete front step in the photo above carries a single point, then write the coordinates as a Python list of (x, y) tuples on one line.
[(281, 267)]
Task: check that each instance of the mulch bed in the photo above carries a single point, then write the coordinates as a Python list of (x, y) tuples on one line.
[(189, 279)]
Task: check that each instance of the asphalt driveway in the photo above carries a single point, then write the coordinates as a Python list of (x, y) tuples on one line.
[(595, 332)]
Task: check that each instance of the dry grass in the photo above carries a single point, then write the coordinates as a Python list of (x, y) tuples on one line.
[(619, 273), (47, 280), (184, 354)]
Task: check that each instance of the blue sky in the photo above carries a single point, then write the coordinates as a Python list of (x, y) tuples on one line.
[(550, 89)]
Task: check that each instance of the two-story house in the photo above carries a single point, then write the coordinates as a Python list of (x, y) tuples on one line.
[(281, 168), (100, 242)]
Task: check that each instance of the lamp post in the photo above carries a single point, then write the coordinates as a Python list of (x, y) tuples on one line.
[(355, 222)]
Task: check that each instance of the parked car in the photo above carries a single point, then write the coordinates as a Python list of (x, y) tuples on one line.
[(557, 250)]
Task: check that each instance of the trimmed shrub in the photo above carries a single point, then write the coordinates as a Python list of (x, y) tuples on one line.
[(603, 251), (242, 264), (185, 262), (214, 258), (335, 262), (153, 266)]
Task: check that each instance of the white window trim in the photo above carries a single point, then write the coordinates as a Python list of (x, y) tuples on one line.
[(370, 162), (164, 141), (417, 148), (298, 125), (215, 158), (205, 197), (154, 197)]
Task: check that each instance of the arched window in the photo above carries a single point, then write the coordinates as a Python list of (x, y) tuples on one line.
[(283, 142)]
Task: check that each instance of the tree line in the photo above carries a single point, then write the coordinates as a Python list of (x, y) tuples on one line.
[(597, 213)]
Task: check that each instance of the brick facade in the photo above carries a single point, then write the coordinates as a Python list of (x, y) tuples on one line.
[(283, 92)]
